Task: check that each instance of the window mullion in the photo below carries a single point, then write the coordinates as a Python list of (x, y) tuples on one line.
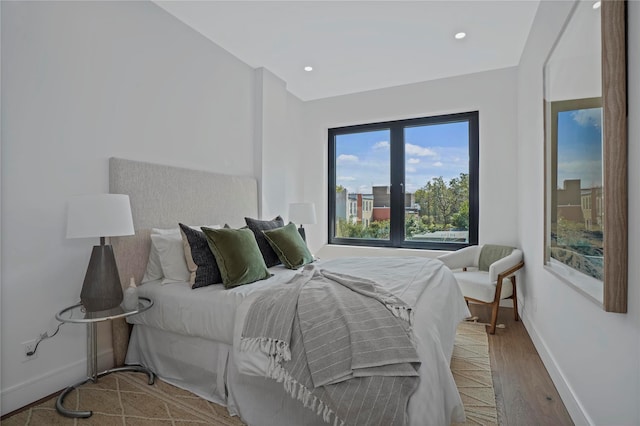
[(474, 161), (331, 216), (397, 185)]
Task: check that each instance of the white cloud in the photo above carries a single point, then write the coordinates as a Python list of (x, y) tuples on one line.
[(410, 169), (437, 164), (588, 117), (345, 178), (413, 161), (347, 158), (419, 151), (412, 188), (381, 145)]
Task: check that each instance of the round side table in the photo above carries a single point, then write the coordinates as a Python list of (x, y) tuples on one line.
[(77, 314)]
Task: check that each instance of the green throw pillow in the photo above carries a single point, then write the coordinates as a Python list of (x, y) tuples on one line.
[(490, 253), (289, 246), (237, 255)]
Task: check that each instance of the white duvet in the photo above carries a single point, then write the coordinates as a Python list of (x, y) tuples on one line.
[(217, 314), (207, 312)]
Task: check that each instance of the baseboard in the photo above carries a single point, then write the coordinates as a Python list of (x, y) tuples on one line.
[(35, 388), (568, 396)]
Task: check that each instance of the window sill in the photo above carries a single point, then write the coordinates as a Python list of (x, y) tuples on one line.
[(588, 286), (331, 251)]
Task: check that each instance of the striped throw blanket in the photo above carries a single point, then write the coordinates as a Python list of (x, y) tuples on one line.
[(339, 344)]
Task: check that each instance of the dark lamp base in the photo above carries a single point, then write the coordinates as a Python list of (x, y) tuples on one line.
[(302, 234), (102, 289)]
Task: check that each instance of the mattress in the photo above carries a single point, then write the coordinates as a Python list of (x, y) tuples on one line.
[(206, 312)]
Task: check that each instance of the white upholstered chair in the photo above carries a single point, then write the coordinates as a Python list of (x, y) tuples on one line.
[(486, 274)]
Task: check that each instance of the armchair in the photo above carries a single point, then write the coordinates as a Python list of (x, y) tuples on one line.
[(486, 275)]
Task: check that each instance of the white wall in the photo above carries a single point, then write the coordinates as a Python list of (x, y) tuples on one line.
[(492, 93), (592, 356), (82, 82), (1, 115), (277, 116), (290, 160)]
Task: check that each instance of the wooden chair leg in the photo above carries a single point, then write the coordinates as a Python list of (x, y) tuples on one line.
[(515, 298), (494, 317)]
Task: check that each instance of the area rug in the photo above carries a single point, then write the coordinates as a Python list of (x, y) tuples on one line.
[(126, 399), (471, 370)]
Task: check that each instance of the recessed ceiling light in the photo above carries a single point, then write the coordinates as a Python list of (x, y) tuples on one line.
[(460, 35), (596, 5), (308, 68)]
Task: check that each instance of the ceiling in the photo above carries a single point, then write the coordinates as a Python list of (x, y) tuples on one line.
[(354, 46)]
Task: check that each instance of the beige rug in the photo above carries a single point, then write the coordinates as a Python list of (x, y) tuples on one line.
[(472, 372), (126, 399)]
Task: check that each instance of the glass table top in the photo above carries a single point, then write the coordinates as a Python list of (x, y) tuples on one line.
[(77, 313)]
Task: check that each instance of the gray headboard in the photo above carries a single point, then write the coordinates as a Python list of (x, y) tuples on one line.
[(161, 196)]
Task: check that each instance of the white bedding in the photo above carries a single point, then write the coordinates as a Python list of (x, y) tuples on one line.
[(207, 312), (439, 307), (212, 313)]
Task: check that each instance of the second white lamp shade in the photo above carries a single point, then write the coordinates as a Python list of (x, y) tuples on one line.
[(302, 213)]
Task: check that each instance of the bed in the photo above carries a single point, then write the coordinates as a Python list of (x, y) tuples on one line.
[(192, 337)]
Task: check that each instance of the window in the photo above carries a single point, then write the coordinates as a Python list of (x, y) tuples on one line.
[(408, 183)]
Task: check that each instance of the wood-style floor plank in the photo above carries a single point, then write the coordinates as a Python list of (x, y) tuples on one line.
[(525, 394)]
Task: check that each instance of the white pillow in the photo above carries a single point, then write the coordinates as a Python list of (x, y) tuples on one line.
[(167, 259), (171, 253), (154, 267)]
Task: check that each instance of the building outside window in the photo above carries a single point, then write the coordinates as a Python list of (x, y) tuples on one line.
[(407, 183)]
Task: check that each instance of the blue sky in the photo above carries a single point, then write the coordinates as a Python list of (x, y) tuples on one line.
[(580, 147), (362, 159)]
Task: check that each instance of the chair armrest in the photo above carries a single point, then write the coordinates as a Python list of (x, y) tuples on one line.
[(462, 258), (505, 265)]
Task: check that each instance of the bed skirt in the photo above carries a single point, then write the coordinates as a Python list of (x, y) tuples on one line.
[(206, 368)]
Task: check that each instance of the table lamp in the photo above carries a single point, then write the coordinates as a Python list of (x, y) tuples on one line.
[(302, 213), (100, 215)]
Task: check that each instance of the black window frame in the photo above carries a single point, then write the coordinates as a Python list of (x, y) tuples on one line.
[(397, 164)]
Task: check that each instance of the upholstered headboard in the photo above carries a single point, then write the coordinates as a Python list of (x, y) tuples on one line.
[(161, 196)]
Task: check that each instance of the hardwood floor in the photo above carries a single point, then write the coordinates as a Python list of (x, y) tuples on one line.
[(525, 394)]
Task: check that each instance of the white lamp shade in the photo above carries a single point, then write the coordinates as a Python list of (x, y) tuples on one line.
[(302, 213), (99, 215)]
